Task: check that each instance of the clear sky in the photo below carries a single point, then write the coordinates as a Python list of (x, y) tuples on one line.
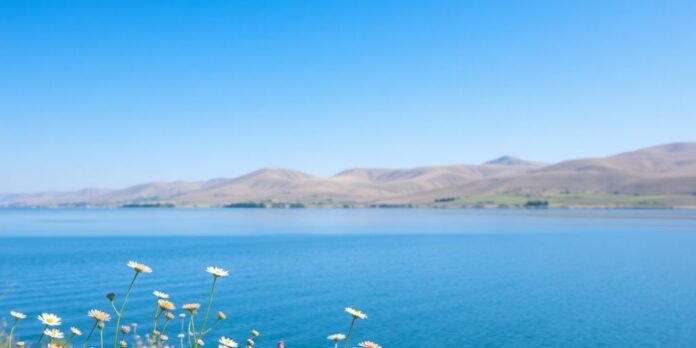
[(109, 94)]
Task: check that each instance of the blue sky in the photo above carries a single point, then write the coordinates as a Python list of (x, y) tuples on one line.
[(109, 94)]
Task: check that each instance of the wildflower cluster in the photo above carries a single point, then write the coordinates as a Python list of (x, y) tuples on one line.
[(338, 337), (190, 337)]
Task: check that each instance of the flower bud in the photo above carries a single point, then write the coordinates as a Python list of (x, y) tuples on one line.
[(123, 344), (221, 315), (125, 329), (111, 296)]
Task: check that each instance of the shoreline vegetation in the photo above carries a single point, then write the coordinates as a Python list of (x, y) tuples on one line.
[(503, 201), (186, 327)]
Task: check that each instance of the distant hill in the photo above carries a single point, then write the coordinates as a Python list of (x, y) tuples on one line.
[(513, 161), (660, 176)]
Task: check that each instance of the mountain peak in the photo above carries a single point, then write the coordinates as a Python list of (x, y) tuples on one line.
[(280, 173), (509, 161)]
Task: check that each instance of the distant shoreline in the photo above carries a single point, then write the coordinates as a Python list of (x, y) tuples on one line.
[(414, 207), (659, 177)]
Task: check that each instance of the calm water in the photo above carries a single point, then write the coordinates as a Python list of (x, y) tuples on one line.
[(435, 278)]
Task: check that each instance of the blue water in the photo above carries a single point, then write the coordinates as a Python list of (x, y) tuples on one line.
[(426, 278)]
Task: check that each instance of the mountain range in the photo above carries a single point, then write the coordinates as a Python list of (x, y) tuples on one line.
[(659, 176)]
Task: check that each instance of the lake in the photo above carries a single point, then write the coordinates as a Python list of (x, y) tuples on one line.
[(426, 278)]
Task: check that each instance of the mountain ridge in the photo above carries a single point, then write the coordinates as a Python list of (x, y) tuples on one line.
[(660, 176)]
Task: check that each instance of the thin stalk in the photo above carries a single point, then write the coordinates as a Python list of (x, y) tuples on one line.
[(154, 321), (164, 330), (84, 345), (135, 336), (189, 331), (181, 339), (113, 305), (9, 339), (211, 327), (193, 330), (67, 343), (101, 337), (119, 314), (38, 343), (207, 311), (349, 332), (154, 324)]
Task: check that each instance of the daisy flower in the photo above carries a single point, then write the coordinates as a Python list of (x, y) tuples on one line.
[(191, 307), (369, 344), (356, 313), (160, 294), (250, 342), (18, 315), (98, 315), (139, 267), (254, 333), (200, 342), (227, 342), (166, 305), (75, 331), (336, 337), (49, 319), (53, 333), (217, 272)]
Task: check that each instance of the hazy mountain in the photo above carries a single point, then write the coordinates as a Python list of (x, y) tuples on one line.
[(664, 175), (513, 161)]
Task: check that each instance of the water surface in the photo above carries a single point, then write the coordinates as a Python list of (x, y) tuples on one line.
[(464, 278)]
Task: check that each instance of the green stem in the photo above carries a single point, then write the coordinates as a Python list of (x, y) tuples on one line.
[(181, 340), (101, 338), (212, 327), (114, 307), (67, 343), (189, 331), (84, 345), (193, 330), (154, 324), (349, 332), (9, 340), (119, 314), (154, 321), (207, 311), (38, 343), (164, 330)]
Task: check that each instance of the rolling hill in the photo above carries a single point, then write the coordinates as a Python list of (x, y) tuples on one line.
[(660, 176)]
